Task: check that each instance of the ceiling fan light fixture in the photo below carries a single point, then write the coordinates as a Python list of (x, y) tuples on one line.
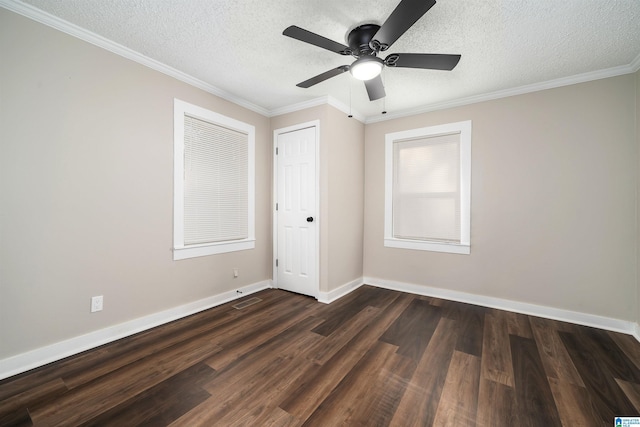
[(366, 68), (366, 41)]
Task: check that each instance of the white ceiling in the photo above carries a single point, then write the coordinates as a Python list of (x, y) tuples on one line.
[(237, 46)]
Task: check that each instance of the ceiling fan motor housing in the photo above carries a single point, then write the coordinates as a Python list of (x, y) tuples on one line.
[(365, 41), (359, 40)]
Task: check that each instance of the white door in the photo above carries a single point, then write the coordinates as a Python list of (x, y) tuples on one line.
[(297, 222)]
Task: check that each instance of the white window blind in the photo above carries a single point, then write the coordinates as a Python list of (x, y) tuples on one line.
[(216, 162), (213, 183), (426, 189)]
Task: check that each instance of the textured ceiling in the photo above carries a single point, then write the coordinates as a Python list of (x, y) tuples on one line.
[(238, 46)]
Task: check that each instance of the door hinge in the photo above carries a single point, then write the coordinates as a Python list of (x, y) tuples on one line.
[(276, 151), (276, 262), (276, 206)]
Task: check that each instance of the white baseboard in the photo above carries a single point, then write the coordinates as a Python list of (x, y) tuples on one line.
[(331, 296), (41, 356), (585, 319), (636, 331)]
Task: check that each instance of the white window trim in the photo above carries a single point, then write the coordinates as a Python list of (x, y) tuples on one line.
[(180, 251), (464, 247)]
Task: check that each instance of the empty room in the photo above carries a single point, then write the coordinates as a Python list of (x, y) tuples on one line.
[(288, 213)]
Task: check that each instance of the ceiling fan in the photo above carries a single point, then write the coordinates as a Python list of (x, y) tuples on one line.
[(368, 40)]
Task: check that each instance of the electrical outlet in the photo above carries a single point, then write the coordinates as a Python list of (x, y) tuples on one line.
[(96, 303), (236, 272)]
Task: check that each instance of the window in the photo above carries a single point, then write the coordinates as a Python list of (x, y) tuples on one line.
[(428, 188), (213, 183)]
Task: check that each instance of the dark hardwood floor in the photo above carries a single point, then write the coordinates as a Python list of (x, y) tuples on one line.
[(373, 358)]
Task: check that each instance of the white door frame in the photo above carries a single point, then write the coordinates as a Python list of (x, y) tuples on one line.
[(276, 133)]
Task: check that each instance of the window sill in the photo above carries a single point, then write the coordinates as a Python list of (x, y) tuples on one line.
[(454, 248), (212, 249)]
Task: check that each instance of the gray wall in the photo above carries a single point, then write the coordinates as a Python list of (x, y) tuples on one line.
[(345, 208), (86, 190), (553, 209)]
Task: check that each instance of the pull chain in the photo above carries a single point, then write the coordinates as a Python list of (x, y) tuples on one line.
[(384, 99), (350, 114)]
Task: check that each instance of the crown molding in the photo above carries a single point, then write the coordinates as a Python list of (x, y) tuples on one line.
[(550, 84), (49, 20), (45, 18), (345, 108), (323, 100), (635, 64)]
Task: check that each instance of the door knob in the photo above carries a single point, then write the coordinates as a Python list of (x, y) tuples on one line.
[(310, 219)]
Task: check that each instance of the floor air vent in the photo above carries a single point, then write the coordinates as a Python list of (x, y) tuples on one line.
[(246, 303)]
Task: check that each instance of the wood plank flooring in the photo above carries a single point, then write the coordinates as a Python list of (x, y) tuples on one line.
[(373, 358)]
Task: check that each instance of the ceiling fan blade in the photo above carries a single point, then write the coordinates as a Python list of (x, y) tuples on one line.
[(401, 19), (316, 40), (431, 61), (375, 88), (324, 76)]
